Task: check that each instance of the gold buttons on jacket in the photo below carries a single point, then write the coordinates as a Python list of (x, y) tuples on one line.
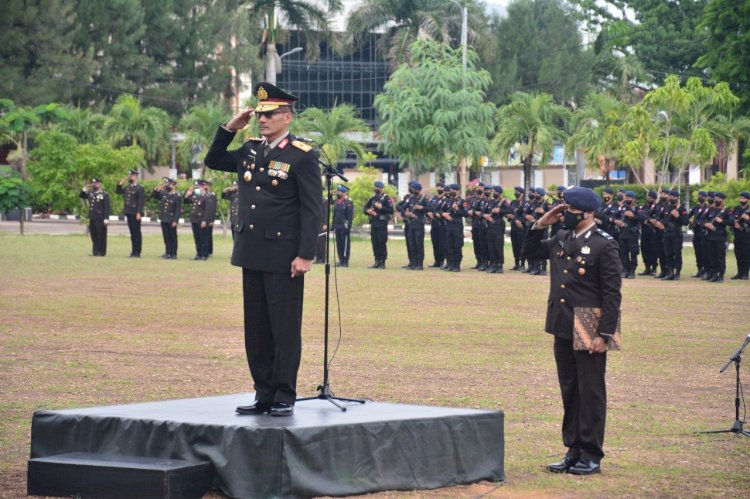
[(262, 170), (562, 300), (274, 182), (562, 286), (251, 226), (278, 234), (252, 206), (257, 187), (565, 271)]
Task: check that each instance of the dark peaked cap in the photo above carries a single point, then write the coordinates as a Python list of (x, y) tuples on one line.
[(270, 97)]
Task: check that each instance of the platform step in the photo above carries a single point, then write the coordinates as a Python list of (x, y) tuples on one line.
[(95, 475)]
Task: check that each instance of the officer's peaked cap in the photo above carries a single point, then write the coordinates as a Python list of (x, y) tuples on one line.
[(582, 198), (95, 180), (270, 97), (132, 172)]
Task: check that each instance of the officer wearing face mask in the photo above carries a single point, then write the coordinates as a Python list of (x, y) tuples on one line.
[(648, 236), (379, 208), (495, 211), (478, 229), (517, 230), (741, 227), (416, 211), (537, 208), (629, 222), (343, 214), (606, 214), (232, 194), (170, 209), (134, 199), (674, 218), (657, 218), (716, 223), (99, 211), (437, 225), (585, 270), (557, 201), (696, 214), (401, 209), (454, 211), (194, 196)]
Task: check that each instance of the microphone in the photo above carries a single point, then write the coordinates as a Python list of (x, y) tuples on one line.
[(305, 139), (736, 355)]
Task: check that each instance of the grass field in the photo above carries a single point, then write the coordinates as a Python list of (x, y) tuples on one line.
[(79, 331)]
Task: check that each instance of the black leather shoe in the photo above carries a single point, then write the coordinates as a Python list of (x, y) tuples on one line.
[(375, 265), (735, 277), (585, 467), (562, 466), (435, 265), (646, 271), (455, 268), (254, 409), (281, 409)]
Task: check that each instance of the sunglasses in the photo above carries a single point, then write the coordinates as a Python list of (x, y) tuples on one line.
[(269, 114)]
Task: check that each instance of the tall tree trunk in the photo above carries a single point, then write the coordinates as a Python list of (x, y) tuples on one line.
[(271, 63), (21, 212), (527, 172), (463, 179), (24, 155)]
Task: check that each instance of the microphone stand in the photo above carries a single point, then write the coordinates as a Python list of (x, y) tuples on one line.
[(324, 390), (737, 426)]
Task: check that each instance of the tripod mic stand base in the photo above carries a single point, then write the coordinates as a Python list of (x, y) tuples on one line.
[(324, 393), (736, 428)]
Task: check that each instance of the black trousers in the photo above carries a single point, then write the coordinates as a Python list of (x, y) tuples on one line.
[(342, 243), (415, 238), (672, 252), (648, 248), (206, 240), (136, 239), (170, 238), (437, 238), (516, 241), (454, 244), (717, 256), (742, 251), (197, 237), (584, 397), (628, 253), (98, 233), (496, 244), (379, 238), (698, 245), (659, 248), (409, 249), (273, 332)]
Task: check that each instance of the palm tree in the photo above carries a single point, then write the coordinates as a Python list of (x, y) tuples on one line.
[(129, 124), (595, 129), (405, 21), (199, 127), (331, 128), (305, 16), (530, 124), (83, 124)]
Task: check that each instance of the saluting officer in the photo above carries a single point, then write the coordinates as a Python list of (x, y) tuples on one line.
[(694, 223), (557, 201), (741, 227), (232, 194), (99, 211), (454, 211), (280, 217), (134, 199), (196, 198), (517, 229), (716, 223), (379, 208), (343, 214), (170, 209), (437, 225), (209, 217), (629, 222), (585, 271)]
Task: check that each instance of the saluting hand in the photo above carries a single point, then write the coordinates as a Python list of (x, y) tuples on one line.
[(552, 215), (241, 119)]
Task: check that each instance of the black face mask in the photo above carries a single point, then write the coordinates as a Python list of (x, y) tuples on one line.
[(131, 180), (454, 194), (628, 202), (496, 196), (673, 202), (377, 192), (620, 197), (440, 192), (518, 195), (607, 198), (340, 195), (717, 203), (743, 203), (571, 220), (701, 199)]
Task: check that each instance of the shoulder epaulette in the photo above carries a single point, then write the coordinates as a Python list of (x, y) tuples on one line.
[(255, 139), (603, 234), (302, 146)]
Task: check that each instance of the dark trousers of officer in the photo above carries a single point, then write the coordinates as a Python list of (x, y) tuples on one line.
[(742, 252), (437, 238), (454, 244), (209, 240), (409, 248), (717, 257), (273, 339), (516, 242), (584, 397), (496, 244), (659, 246), (134, 226), (648, 248), (197, 238), (379, 238), (628, 253), (170, 238), (98, 233), (672, 252), (415, 239), (342, 243), (320, 248), (698, 248), (484, 252)]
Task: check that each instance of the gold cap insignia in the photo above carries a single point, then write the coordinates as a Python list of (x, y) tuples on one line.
[(262, 94)]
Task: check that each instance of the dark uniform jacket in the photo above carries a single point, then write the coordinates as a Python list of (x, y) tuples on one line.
[(170, 205), (343, 213), (280, 215), (209, 211), (673, 225), (743, 226), (234, 206), (585, 272), (134, 198), (632, 228), (417, 216), (197, 207), (98, 204), (457, 209), (382, 214), (719, 232)]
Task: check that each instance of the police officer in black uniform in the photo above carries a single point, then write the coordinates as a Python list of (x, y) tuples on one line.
[(496, 208), (716, 223), (585, 271), (437, 225), (209, 217), (454, 211), (478, 227), (674, 217), (134, 199), (694, 223), (379, 208), (558, 200), (232, 194), (170, 209), (648, 236), (629, 221), (517, 229), (195, 196), (99, 210), (741, 227), (280, 217), (416, 211), (343, 214), (535, 210), (401, 209)]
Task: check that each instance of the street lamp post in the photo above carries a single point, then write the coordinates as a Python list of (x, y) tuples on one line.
[(176, 137), (464, 29)]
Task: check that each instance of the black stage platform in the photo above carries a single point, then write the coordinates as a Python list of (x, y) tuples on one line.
[(319, 451)]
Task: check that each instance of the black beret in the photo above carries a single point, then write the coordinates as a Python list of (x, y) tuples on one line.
[(440, 184), (342, 188), (378, 184), (455, 187), (608, 190), (652, 194), (498, 189), (518, 188), (745, 194), (721, 195), (582, 198), (702, 193)]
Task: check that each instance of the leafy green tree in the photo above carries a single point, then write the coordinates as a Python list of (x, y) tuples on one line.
[(15, 194), (360, 189), (616, 67), (199, 126), (83, 124), (330, 128), (530, 125), (540, 49), (426, 119), (130, 124), (308, 18)]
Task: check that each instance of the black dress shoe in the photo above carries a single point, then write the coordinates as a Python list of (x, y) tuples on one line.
[(735, 277), (435, 265), (254, 409), (562, 466), (281, 409), (585, 467)]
